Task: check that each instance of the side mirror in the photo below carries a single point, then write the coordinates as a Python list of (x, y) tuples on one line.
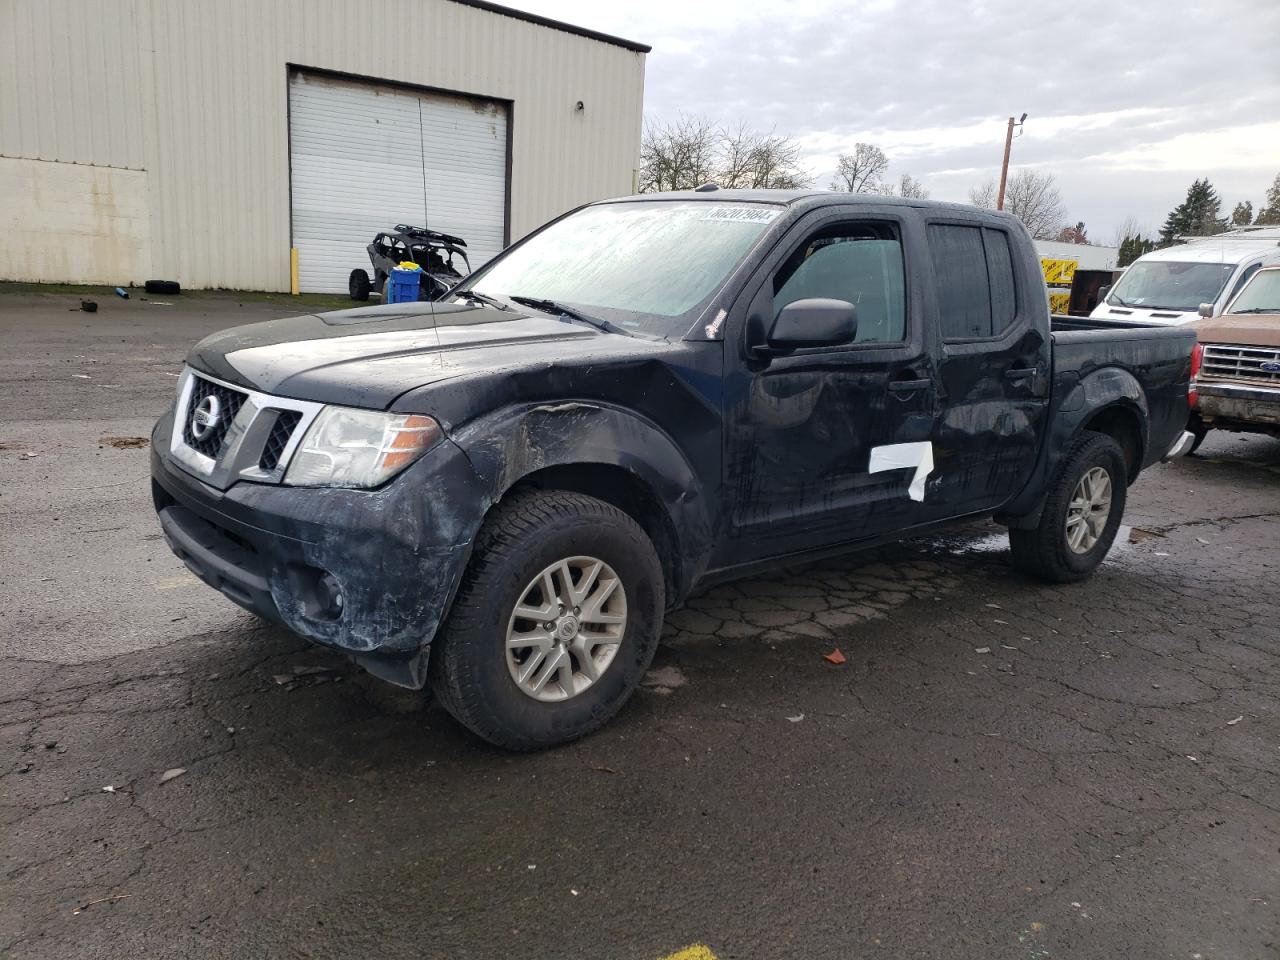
[(1103, 291), (1206, 310), (815, 322)]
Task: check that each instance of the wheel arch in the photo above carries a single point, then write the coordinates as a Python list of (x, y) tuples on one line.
[(606, 452), (623, 489), (1108, 400), (1123, 423)]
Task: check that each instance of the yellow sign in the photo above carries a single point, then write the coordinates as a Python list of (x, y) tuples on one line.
[(1059, 302), (1058, 272), (696, 952)]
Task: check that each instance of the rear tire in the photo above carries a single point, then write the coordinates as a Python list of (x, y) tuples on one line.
[(1072, 539), (471, 669), (358, 285)]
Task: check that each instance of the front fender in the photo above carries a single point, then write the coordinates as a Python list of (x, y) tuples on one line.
[(511, 444)]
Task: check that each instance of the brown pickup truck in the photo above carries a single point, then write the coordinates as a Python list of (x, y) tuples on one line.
[(1235, 369)]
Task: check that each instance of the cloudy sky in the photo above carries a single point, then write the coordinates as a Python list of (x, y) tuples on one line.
[(1128, 100)]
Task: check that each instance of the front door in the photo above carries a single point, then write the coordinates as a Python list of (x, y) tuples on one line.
[(830, 445)]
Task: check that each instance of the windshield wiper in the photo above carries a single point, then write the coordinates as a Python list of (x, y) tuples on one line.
[(1113, 299), (479, 297), (1256, 310), (550, 306)]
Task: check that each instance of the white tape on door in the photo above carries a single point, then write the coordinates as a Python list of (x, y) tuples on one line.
[(906, 456)]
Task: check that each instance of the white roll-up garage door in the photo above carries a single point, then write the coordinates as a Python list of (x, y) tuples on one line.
[(364, 157)]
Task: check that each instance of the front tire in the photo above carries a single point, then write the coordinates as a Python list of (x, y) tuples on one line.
[(538, 649), (358, 285), (1081, 514)]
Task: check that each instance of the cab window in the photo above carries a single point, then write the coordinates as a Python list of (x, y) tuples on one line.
[(973, 269), (857, 262)]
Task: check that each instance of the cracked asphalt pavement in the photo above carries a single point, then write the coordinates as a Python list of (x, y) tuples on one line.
[(999, 768)]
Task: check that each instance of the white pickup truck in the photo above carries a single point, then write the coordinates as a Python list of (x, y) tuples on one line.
[(1183, 283)]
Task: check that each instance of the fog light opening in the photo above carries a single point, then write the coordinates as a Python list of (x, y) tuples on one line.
[(329, 599)]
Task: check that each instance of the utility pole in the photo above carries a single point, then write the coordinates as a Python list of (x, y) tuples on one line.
[(1004, 167)]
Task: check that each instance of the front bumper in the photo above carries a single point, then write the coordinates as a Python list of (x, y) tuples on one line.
[(396, 554), (1238, 403)]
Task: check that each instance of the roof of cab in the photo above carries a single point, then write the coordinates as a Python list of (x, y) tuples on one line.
[(807, 199)]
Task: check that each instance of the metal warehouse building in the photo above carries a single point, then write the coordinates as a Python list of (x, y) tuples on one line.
[(199, 140)]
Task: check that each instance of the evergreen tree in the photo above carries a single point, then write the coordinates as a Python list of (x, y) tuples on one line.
[(1131, 248), (1196, 216), (1270, 214), (1242, 215)]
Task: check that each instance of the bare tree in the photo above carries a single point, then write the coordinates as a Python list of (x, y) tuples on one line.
[(1034, 199), (860, 171), (1127, 229), (691, 151), (1030, 196), (759, 160), (680, 155), (909, 186), (984, 195)]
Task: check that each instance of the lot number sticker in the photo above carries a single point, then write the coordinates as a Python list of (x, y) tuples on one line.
[(741, 214)]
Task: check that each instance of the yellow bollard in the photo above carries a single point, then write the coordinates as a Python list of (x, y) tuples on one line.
[(293, 271)]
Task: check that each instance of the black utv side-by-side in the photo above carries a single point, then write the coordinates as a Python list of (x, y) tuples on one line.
[(442, 257)]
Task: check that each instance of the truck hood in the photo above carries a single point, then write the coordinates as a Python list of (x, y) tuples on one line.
[(369, 356), (1244, 329), (1169, 318)]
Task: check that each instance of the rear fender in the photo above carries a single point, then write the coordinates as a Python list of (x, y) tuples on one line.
[(1085, 400)]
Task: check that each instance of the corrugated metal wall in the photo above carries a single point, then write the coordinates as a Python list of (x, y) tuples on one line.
[(196, 94)]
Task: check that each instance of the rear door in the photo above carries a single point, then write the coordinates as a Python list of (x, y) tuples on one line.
[(994, 375), (824, 444)]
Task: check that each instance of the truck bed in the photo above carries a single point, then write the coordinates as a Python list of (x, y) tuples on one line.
[(1157, 358), (1063, 322)]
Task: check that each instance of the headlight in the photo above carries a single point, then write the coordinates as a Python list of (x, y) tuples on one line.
[(359, 448)]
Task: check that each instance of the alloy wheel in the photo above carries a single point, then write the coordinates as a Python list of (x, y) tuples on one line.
[(1089, 510), (566, 628)]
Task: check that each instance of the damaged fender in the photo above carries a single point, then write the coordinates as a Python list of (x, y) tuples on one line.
[(1078, 401), (517, 443)]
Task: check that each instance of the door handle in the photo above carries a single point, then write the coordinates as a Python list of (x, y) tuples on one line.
[(909, 386), (1021, 373)]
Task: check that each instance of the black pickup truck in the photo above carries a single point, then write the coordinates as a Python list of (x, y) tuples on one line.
[(501, 493)]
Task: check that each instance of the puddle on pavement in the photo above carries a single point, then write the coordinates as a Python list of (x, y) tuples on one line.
[(988, 541)]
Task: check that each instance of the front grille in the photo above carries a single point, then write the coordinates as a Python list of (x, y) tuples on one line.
[(229, 403), (1229, 362), (281, 431)]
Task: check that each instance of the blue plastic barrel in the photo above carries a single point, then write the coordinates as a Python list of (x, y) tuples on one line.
[(403, 286)]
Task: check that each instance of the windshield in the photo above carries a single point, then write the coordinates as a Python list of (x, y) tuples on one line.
[(645, 266), (1170, 285), (1260, 295)]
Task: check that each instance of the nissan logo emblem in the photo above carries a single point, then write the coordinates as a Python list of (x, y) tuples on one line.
[(206, 417)]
